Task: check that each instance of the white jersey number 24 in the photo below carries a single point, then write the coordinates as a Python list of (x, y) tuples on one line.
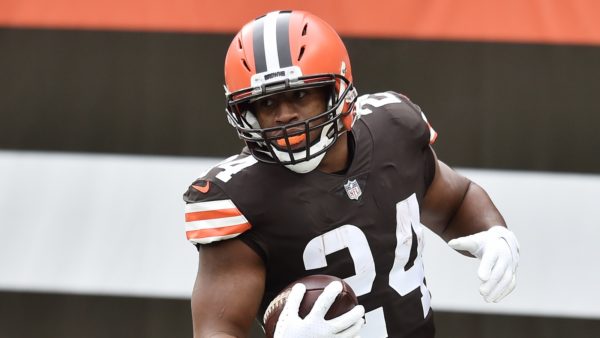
[(353, 238)]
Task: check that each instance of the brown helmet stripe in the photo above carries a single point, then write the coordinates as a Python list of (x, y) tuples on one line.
[(258, 44), (283, 39)]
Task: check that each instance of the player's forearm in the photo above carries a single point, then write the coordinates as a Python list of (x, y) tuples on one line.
[(475, 213), (212, 319), (211, 322)]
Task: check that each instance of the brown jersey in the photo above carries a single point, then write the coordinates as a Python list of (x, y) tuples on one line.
[(362, 225)]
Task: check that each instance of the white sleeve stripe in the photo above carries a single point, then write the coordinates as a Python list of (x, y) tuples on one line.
[(432, 132), (209, 206), (215, 223)]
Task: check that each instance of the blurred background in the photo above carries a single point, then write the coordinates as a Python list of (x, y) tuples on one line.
[(109, 109)]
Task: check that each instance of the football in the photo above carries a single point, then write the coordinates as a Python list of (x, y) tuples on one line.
[(315, 284)]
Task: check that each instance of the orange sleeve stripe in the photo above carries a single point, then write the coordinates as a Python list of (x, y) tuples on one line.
[(212, 214), (214, 232)]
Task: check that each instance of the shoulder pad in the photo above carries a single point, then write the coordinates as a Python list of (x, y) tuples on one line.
[(399, 110)]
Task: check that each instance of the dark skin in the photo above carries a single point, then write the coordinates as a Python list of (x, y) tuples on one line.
[(231, 276)]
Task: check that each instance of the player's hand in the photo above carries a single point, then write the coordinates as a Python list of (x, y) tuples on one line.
[(314, 325), (498, 250)]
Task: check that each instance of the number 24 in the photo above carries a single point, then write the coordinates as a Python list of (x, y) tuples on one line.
[(401, 280)]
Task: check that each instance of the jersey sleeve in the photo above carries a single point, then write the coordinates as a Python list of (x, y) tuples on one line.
[(413, 117), (424, 135), (405, 124), (210, 215)]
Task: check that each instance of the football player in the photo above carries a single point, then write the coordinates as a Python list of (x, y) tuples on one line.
[(329, 183)]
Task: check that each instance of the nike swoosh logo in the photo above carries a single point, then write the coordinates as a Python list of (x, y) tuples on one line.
[(203, 189)]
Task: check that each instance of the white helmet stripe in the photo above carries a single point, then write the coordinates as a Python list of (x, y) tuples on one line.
[(270, 36), (271, 42)]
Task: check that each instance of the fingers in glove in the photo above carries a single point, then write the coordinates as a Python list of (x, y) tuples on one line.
[(323, 303), (508, 290), (495, 293), (352, 331), (498, 272), (487, 264), (292, 304), (348, 320)]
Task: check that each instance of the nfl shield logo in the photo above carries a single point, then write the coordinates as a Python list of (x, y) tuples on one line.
[(353, 189)]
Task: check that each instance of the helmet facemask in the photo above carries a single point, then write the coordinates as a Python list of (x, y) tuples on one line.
[(279, 144)]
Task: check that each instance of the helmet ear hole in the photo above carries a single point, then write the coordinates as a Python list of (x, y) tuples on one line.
[(304, 29)]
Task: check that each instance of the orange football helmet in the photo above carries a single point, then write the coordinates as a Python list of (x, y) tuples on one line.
[(283, 51)]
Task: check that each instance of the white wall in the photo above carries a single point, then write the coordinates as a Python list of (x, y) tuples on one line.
[(95, 224), (103, 224)]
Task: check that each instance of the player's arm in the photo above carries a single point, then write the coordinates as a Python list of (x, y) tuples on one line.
[(228, 290), (454, 206), (463, 214)]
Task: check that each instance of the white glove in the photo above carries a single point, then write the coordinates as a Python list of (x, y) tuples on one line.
[(498, 250), (314, 325)]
